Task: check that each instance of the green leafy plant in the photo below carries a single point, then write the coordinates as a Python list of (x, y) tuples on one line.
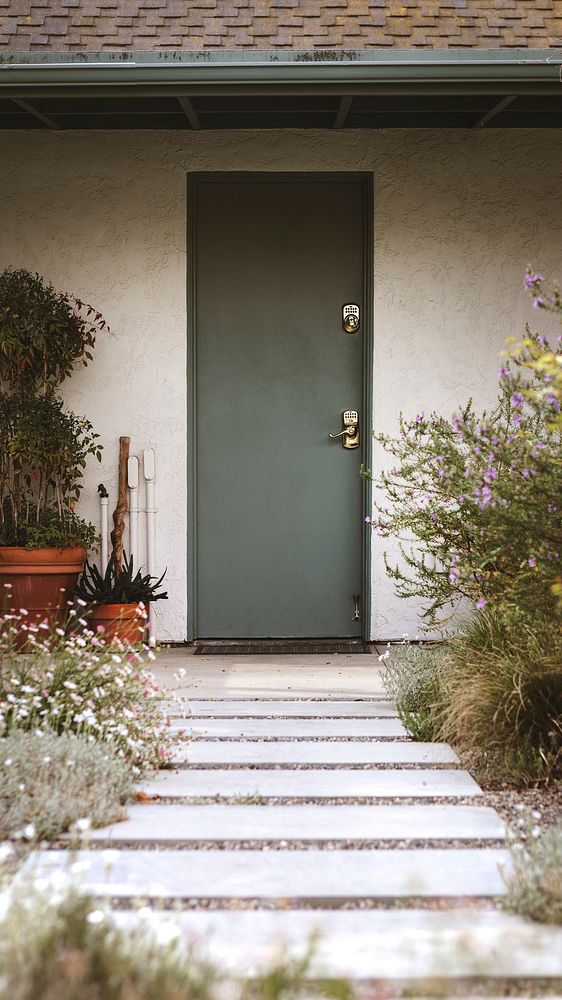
[(118, 587), (49, 782), (534, 888), (74, 683), (43, 333), (42, 460)]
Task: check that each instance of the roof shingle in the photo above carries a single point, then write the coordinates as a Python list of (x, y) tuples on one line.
[(98, 25)]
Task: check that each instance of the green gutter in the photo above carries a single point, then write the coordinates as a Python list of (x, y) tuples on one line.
[(495, 71)]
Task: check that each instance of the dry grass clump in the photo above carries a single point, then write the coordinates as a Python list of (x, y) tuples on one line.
[(535, 887), (49, 782), (502, 695), (58, 944)]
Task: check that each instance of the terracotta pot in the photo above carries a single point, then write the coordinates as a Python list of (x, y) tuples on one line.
[(42, 580), (123, 622)]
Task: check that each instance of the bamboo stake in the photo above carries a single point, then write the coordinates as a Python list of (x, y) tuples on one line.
[(121, 509)]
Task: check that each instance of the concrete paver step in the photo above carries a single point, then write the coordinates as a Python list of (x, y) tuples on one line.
[(313, 752), (374, 709), (305, 875), (377, 944), (293, 728), (181, 823), (337, 783)]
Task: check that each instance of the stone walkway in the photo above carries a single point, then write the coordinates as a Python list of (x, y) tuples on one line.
[(288, 814)]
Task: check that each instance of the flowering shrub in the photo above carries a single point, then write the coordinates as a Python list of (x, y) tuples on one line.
[(48, 783), (476, 499), (75, 684)]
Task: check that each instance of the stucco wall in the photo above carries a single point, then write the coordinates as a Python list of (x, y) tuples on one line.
[(458, 216)]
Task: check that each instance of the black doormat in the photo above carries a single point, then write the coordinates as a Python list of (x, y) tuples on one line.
[(281, 647)]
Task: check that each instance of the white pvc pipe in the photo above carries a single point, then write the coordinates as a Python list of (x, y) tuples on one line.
[(104, 532), (149, 475), (133, 484)]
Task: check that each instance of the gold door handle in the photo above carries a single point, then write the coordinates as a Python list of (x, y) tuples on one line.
[(350, 432)]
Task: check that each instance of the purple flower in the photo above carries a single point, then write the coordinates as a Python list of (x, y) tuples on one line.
[(484, 497), (517, 400), (490, 474), (480, 603), (532, 562), (503, 372), (531, 280), (526, 473), (553, 400), (538, 301), (367, 520)]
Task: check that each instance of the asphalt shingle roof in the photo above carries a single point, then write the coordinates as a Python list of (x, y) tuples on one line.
[(155, 25)]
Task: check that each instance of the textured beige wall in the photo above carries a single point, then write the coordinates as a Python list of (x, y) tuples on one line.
[(458, 215)]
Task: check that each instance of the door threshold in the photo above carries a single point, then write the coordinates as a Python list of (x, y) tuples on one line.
[(280, 647)]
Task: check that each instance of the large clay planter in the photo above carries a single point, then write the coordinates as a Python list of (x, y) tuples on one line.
[(42, 580), (124, 623)]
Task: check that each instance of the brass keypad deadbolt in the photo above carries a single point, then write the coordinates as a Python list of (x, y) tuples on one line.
[(350, 318), (350, 433)]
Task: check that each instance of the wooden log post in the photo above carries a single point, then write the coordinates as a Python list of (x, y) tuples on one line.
[(121, 508)]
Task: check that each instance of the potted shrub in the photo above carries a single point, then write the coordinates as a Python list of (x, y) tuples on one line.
[(44, 448), (117, 599)]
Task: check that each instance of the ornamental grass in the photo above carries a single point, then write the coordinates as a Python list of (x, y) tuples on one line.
[(501, 695)]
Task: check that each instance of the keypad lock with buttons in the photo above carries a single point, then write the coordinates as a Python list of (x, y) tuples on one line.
[(350, 433)]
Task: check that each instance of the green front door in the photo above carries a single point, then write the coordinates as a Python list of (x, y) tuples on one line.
[(278, 503)]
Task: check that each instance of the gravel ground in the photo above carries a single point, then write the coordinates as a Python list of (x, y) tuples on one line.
[(422, 765), (187, 738), (228, 903), (260, 800), (285, 845), (511, 803)]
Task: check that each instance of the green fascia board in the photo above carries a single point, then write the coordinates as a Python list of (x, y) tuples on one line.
[(506, 71)]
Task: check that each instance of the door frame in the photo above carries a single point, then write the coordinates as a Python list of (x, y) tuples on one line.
[(193, 180)]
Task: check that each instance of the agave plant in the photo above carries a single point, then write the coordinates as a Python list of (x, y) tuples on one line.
[(118, 587)]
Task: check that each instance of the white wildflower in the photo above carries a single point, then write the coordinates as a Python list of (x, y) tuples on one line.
[(6, 851), (96, 917)]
